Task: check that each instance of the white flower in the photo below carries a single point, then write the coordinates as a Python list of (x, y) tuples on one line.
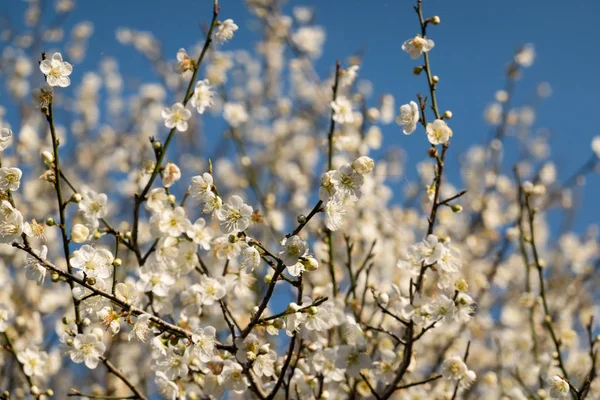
[(93, 262), (247, 348), (464, 307), (10, 178), (334, 213), (235, 215), (11, 222), (350, 359), (174, 363), (428, 251), (296, 269), (79, 233), (342, 110), (225, 30), (212, 289), (233, 377), (34, 269), (5, 138), (250, 259), (110, 319), (185, 63), (6, 314), (409, 117), (141, 328), (167, 388), (327, 188), (454, 368), (349, 75), (171, 174), (438, 132), (442, 308), (235, 114), (264, 364), (56, 70), (205, 341), (201, 186), (158, 200), (93, 205), (173, 222), (153, 279), (203, 96), (200, 233), (33, 361), (87, 348), (417, 46), (559, 387), (126, 292), (176, 117), (292, 249), (348, 182), (363, 165)]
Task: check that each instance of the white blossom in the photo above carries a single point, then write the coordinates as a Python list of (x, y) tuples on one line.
[(10, 178), (438, 132), (203, 96), (342, 110), (56, 70), (417, 46), (409, 117), (176, 117), (225, 30), (234, 215)]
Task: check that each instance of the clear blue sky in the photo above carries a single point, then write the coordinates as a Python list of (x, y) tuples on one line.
[(473, 44)]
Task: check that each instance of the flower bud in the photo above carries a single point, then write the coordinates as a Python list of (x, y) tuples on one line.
[(157, 145), (79, 233), (86, 322), (312, 310), (435, 79), (457, 208), (363, 165), (55, 277), (35, 391), (268, 278), (417, 70), (310, 263), (447, 114), (301, 219), (50, 221), (293, 307), (117, 262), (383, 299), (435, 20), (76, 198), (47, 157)]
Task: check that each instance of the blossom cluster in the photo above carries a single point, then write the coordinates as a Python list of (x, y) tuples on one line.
[(256, 245)]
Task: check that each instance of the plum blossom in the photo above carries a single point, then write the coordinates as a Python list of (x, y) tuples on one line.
[(342, 110), (176, 117), (409, 117), (417, 46), (56, 70), (225, 30)]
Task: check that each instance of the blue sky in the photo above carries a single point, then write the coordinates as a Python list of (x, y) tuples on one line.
[(473, 44)]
